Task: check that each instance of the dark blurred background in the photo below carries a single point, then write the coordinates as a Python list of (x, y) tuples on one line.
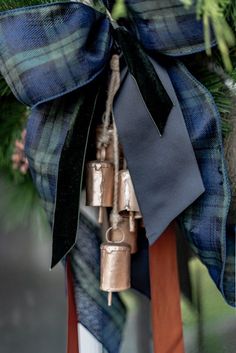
[(32, 299)]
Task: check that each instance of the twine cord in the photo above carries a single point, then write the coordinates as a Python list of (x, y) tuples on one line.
[(115, 216), (114, 85)]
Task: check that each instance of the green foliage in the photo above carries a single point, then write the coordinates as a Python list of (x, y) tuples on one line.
[(218, 15), (215, 319), (12, 119), (19, 200), (119, 9), (4, 88), (210, 72)]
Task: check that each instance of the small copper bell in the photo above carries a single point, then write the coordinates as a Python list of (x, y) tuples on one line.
[(99, 185), (127, 201), (115, 265), (129, 237)]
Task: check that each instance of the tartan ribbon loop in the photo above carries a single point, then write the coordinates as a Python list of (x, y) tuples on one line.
[(55, 49), (48, 51), (52, 49)]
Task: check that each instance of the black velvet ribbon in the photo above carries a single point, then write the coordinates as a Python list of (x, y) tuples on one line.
[(70, 175), (149, 84)]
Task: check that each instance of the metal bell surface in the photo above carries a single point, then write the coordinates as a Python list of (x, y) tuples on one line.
[(115, 267), (99, 185), (138, 215), (127, 198), (129, 237), (127, 201)]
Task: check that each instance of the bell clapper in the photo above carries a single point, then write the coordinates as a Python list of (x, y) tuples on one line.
[(100, 215), (109, 298), (132, 221)]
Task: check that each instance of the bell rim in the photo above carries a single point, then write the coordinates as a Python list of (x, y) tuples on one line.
[(116, 246), (116, 290)]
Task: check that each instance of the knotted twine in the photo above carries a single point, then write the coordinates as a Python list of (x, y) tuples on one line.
[(103, 142)]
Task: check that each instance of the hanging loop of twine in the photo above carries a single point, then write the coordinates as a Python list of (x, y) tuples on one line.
[(104, 140), (113, 87), (115, 216)]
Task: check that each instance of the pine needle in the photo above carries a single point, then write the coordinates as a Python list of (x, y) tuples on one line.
[(212, 75), (220, 16)]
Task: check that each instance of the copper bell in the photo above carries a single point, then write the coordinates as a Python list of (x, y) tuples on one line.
[(127, 199), (129, 237), (115, 265), (99, 186)]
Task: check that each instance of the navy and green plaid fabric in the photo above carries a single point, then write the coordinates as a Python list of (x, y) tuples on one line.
[(63, 46), (67, 46), (205, 222), (48, 52), (166, 26)]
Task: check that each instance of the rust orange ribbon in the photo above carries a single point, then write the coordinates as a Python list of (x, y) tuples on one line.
[(165, 294), (72, 334)]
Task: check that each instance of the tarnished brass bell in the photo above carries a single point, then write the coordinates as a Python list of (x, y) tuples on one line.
[(129, 237), (127, 201), (115, 266), (99, 185)]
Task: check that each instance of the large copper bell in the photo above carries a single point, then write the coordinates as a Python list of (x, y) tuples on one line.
[(127, 201), (115, 265), (129, 237), (99, 185)]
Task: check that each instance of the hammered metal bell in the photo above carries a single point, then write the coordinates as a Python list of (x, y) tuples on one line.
[(127, 201), (129, 237), (99, 185), (115, 266)]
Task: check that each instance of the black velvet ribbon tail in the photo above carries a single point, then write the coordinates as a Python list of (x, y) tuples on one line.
[(70, 175), (150, 86)]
